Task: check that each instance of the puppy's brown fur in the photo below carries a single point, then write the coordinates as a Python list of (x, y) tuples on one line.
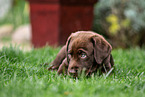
[(84, 51)]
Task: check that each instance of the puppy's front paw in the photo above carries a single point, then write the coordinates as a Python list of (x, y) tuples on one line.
[(53, 67)]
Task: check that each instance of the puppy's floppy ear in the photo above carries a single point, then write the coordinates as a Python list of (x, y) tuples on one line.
[(67, 45), (101, 48)]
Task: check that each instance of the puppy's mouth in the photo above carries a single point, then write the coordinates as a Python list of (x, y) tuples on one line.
[(73, 73)]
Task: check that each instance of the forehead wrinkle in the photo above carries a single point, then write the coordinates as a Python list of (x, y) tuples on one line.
[(79, 43), (81, 40)]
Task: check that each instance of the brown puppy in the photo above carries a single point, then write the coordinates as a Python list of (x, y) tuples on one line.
[(84, 51)]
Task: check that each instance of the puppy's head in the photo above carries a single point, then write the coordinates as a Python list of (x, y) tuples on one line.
[(86, 50)]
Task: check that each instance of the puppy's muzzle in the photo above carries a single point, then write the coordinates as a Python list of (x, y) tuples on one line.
[(73, 71)]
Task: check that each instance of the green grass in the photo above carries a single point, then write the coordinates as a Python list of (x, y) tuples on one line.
[(21, 75)]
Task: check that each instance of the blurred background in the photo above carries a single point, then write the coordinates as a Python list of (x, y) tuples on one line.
[(14, 24), (121, 22)]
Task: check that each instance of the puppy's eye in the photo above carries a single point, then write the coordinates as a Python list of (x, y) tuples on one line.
[(83, 55)]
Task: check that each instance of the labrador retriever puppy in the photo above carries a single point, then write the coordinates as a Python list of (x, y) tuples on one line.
[(85, 51)]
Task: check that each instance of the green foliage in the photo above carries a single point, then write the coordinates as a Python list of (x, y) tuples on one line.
[(121, 21), (21, 75), (135, 11), (113, 20), (18, 14)]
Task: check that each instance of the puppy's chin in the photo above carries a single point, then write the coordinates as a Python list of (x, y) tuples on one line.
[(73, 75)]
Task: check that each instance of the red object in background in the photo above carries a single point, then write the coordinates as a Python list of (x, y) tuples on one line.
[(53, 21)]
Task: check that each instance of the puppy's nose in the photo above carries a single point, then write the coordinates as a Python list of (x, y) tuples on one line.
[(73, 70)]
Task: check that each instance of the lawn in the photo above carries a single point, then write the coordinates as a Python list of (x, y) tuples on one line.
[(21, 75)]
